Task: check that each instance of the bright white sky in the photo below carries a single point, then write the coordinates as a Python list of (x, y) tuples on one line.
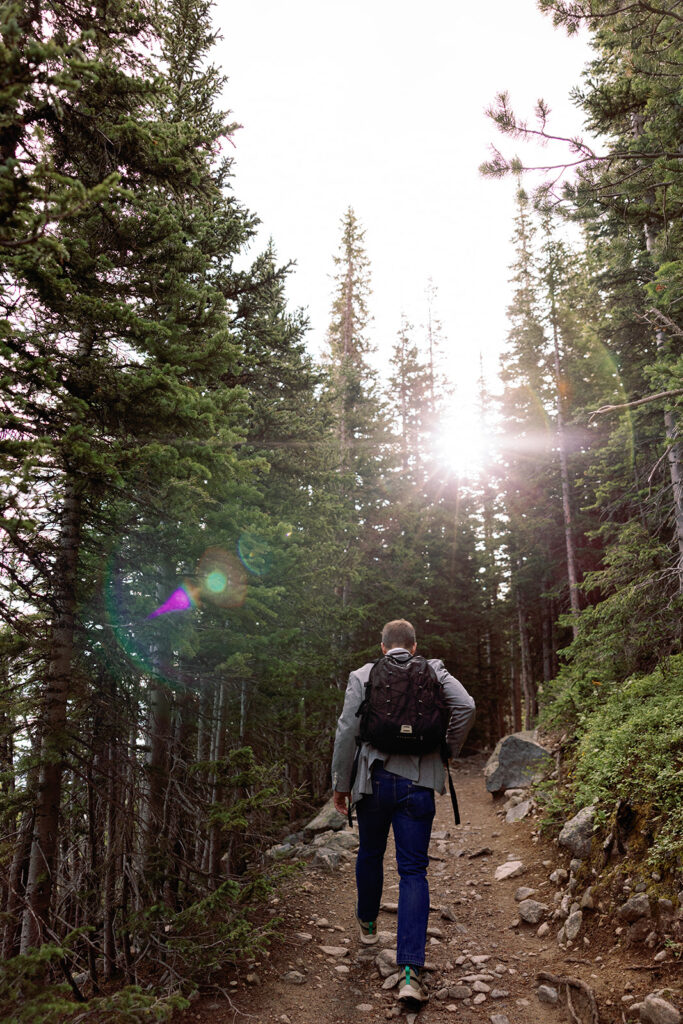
[(379, 104)]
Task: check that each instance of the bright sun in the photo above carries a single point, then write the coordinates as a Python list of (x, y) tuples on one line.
[(463, 444)]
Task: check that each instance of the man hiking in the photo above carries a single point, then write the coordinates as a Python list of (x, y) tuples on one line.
[(397, 788)]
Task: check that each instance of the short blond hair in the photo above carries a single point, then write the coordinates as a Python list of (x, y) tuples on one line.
[(398, 633)]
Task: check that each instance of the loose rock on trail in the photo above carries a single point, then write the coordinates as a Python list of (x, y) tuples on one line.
[(492, 948)]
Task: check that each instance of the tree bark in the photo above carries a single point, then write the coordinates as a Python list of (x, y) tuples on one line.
[(572, 575), (45, 838), (528, 685), (674, 456)]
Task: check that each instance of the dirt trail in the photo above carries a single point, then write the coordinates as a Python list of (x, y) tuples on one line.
[(338, 989)]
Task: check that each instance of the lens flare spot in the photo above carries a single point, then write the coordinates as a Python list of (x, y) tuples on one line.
[(255, 555), (222, 579), (180, 600), (216, 581)]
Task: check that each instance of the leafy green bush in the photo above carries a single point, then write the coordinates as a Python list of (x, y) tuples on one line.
[(632, 748), (26, 998), (194, 948)]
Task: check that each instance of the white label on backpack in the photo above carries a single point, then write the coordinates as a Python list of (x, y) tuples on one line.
[(406, 728)]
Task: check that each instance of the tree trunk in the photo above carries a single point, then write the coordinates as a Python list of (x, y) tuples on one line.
[(674, 456), (112, 860), (45, 838), (516, 694), (528, 685), (564, 470)]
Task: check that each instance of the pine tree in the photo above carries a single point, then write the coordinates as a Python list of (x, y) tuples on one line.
[(361, 436), (115, 335)]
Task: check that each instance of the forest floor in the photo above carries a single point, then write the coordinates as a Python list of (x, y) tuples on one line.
[(317, 909)]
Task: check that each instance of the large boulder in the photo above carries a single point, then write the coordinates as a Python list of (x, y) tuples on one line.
[(517, 761), (327, 818)]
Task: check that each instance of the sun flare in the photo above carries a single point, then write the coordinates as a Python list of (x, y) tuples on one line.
[(463, 444)]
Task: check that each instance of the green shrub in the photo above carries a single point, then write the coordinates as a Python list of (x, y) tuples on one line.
[(27, 997), (631, 747)]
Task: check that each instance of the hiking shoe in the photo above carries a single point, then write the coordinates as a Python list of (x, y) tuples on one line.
[(368, 932), (411, 988)]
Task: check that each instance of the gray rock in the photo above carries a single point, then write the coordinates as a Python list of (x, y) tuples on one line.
[(326, 818), (547, 994), (512, 802), (303, 936), (572, 926), (386, 962), (655, 1010), (479, 998), (280, 852), (559, 876), (511, 869), (635, 908), (392, 979), (516, 762), (294, 978), (499, 993), (344, 840), (499, 1018), (588, 900), (532, 911), (543, 930), (334, 950), (575, 865), (518, 812), (459, 992), (481, 986), (326, 858), (523, 893), (577, 833)]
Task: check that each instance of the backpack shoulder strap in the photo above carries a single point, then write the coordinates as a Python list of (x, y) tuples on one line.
[(366, 698)]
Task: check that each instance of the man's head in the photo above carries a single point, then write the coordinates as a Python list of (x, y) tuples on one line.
[(399, 633)]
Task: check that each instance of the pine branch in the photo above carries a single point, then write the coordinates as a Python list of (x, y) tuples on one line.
[(637, 401), (661, 320)]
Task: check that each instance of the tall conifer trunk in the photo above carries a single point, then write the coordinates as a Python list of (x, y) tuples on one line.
[(572, 575), (45, 838), (674, 457)]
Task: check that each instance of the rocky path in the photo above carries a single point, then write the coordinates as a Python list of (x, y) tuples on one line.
[(486, 963)]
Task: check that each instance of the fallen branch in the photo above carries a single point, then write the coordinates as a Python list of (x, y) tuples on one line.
[(579, 987)]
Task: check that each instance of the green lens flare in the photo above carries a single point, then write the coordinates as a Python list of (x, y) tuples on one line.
[(216, 581)]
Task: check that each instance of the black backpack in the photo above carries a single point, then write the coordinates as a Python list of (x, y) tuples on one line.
[(404, 711)]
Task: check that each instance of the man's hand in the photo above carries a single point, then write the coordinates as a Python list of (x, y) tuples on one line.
[(340, 801)]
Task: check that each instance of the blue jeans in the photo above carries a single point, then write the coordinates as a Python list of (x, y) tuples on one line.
[(409, 808)]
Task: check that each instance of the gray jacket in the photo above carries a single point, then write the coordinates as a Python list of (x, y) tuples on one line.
[(426, 770)]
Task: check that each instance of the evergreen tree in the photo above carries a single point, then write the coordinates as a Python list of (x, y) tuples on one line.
[(115, 340)]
